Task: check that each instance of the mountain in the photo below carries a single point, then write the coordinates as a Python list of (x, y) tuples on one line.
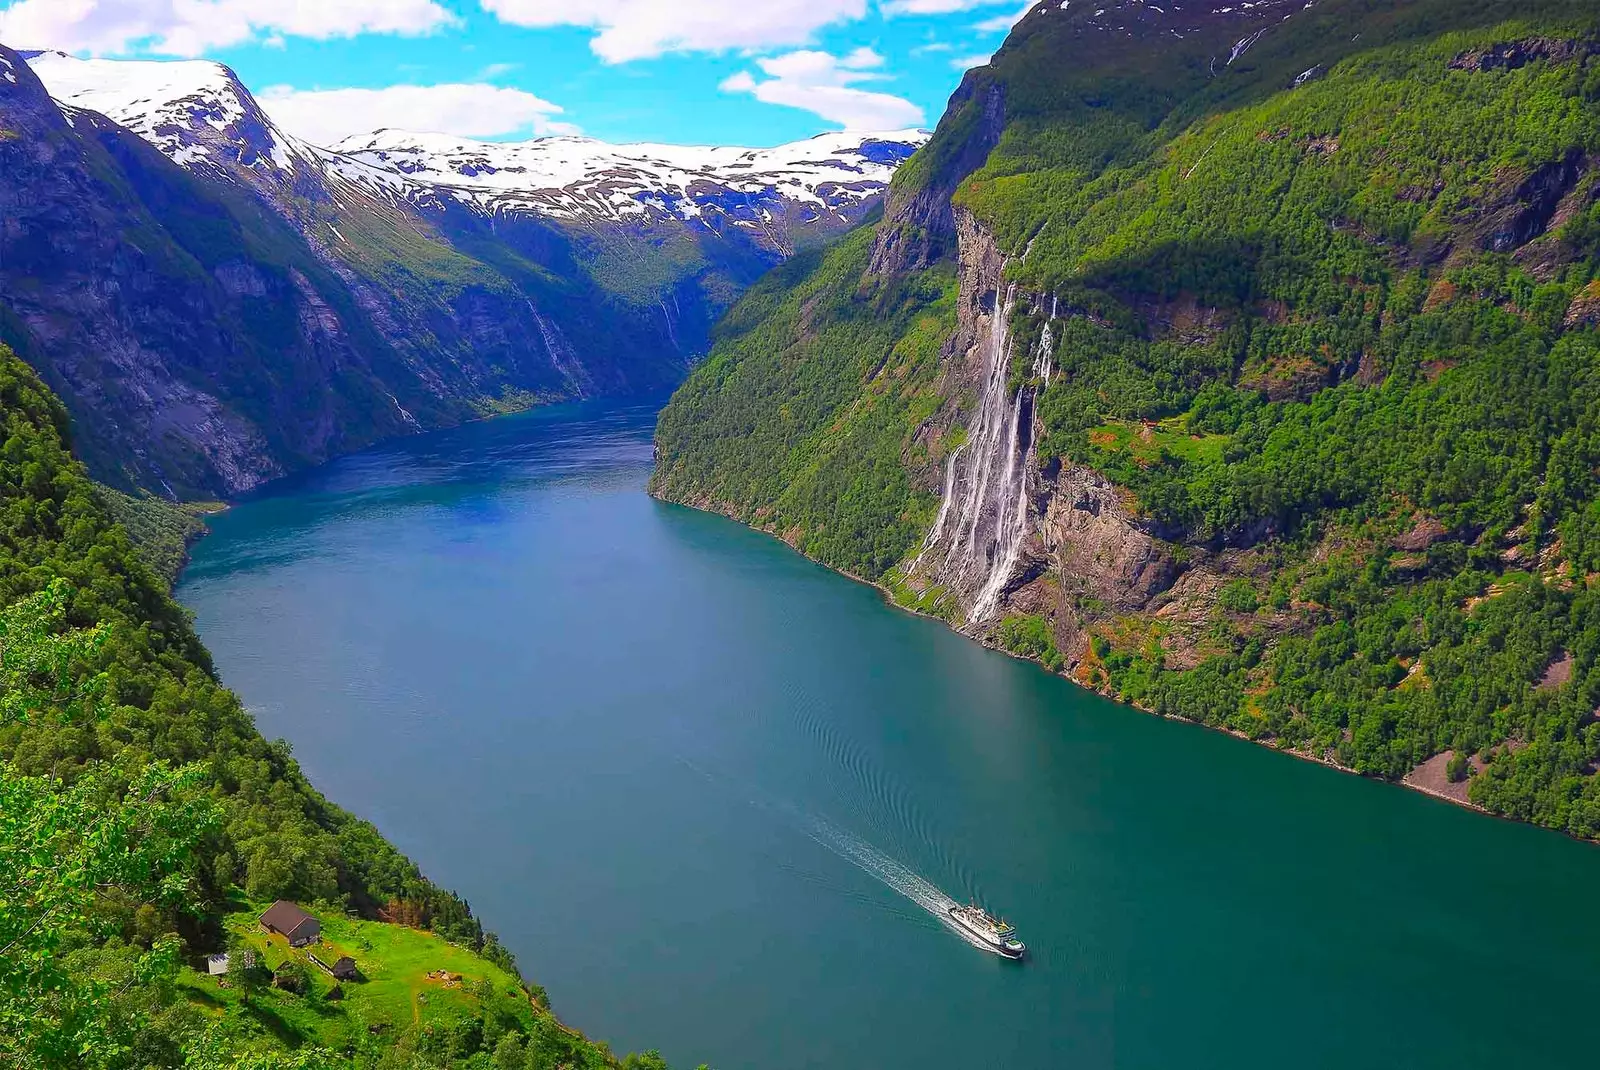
[(219, 302), (814, 186), (1239, 361)]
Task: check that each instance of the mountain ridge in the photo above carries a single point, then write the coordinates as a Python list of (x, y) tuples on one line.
[(257, 304), (1237, 361), (181, 106)]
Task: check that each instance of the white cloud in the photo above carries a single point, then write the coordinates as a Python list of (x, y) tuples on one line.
[(826, 85), (640, 29), (191, 27), (966, 63), (935, 7), (1003, 23), (323, 116)]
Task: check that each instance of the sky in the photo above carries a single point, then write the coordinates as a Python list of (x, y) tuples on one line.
[(722, 72)]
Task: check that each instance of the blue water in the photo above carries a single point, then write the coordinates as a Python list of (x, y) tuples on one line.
[(707, 792)]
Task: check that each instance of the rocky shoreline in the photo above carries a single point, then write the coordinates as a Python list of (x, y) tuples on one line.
[(1410, 782)]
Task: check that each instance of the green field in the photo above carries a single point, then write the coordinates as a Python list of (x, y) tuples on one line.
[(409, 978), (1152, 443)]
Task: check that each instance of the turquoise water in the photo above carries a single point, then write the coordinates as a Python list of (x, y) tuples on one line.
[(707, 792)]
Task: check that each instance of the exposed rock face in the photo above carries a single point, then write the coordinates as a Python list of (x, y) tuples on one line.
[(920, 223), (219, 302), (1514, 55), (1531, 206), (979, 538), (1099, 550)]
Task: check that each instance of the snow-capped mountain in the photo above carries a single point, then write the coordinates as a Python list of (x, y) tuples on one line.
[(203, 118), (577, 177), (195, 111), (262, 303)]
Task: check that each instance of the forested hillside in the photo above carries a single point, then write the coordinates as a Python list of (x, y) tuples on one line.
[(1267, 395), (139, 806)]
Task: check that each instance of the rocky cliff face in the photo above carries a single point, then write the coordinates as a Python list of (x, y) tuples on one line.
[(919, 226), (1247, 376), (219, 302), (105, 294), (989, 490)]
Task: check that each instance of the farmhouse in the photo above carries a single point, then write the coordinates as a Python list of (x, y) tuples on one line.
[(292, 923), (343, 969)]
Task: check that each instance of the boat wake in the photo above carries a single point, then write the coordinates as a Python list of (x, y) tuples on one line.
[(896, 875)]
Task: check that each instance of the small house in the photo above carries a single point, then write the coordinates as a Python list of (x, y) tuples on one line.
[(217, 965), (345, 969), (292, 923)]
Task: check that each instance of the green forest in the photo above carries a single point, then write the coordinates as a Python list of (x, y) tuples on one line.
[(1344, 290), (140, 810)]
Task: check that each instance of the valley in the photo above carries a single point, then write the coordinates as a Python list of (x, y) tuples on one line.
[(221, 303), (445, 553)]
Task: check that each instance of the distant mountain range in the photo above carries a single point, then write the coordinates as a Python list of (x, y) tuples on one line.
[(203, 118), (240, 303)]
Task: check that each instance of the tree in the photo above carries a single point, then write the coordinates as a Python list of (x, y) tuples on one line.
[(246, 972), (116, 831), (292, 976), (508, 1054)]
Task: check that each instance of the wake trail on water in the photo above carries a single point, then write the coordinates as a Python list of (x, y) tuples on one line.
[(896, 875), (888, 870)]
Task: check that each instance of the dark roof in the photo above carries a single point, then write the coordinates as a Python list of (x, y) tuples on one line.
[(344, 968), (285, 917)]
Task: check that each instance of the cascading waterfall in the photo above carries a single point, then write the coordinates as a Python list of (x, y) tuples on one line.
[(556, 346), (984, 511), (1043, 359)]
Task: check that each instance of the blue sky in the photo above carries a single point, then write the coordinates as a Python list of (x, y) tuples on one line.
[(751, 72)]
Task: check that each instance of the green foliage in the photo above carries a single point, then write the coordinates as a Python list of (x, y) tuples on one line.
[(1239, 597), (70, 851), (161, 531), (801, 418), (1030, 636), (1292, 316), (136, 793)]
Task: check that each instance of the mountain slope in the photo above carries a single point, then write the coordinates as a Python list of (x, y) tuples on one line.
[(1266, 393), (219, 302), (95, 974)]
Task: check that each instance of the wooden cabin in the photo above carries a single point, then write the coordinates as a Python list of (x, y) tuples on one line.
[(292, 923)]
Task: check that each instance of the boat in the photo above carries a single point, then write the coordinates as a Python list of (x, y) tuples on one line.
[(996, 934)]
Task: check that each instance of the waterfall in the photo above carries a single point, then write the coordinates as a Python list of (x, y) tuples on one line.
[(983, 517), (1043, 364), (555, 346)]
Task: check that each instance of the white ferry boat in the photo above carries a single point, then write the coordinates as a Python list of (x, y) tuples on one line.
[(996, 934)]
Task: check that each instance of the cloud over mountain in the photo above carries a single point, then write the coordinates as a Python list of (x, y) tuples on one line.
[(190, 28), (323, 116), (827, 85), (640, 29)]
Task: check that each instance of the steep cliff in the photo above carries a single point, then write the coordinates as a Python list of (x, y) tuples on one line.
[(1264, 386), (219, 302)]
